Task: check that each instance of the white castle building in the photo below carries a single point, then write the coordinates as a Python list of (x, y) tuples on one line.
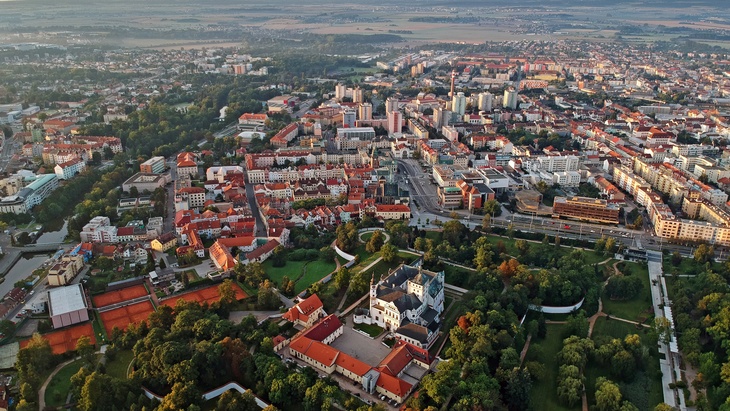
[(409, 302)]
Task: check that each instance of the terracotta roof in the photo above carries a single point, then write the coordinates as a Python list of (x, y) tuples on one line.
[(393, 384), (302, 310), (324, 328), (353, 365), (322, 353)]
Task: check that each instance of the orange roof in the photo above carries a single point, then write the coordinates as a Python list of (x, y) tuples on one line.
[(222, 256), (393, 384), (302, 310), (322, 353), (353, 365)]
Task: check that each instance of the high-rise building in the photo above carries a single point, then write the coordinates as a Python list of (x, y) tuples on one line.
[(441, 117), (348, 118), (340, 91), (395, 122), (391, 104), (365, 111), (485, 101), (358, 95), (510, 99), (458, 104)]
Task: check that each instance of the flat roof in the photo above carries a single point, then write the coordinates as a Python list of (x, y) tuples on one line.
[(67, 299)]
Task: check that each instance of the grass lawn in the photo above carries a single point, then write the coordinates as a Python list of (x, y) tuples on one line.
[(458, 276), (99, 330), (638, 308), (645, 390), (118, 367), (544, 392), (316, 270), (372, 330), (292, 269), (687, 266), (60, 384)]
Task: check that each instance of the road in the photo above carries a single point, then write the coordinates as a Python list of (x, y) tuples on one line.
[(168, 221), (251, 197), (9, 148)]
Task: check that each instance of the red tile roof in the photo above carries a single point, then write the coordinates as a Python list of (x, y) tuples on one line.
[(302, 310)]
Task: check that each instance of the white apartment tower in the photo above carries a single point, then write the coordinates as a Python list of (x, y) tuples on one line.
[(510, 99), (485, 101), (458, 104)]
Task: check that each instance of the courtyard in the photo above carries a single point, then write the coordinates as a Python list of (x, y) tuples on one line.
[(353, 343)]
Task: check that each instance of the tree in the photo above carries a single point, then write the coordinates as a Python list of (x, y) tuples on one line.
[(375, 243), (522, 246), (676, 260), (342, 277), (439, 385), (7, 327), (162, 263), (85, 350), (663, 407), (94, 393), (267, 297), (492, 208), (227, 293), (608, 395), (389, 253), (232, 400), (486, 222), (509, 268), (704, 253)]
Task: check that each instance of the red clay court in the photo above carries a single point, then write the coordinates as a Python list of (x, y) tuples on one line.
[(123, 316), (208, 294), (64, 340), (118, 296)]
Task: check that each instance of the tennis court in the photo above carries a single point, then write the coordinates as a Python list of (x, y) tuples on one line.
[(121, 295), (208, 294), (123, 316), (64, 340)]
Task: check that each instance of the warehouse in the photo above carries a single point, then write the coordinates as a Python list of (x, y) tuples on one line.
[(67, 306)]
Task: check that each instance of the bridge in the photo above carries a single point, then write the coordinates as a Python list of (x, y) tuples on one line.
[(42, 247)]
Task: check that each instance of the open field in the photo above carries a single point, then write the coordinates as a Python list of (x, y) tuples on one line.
[(544, 392), (64, 340), (638, 308), (173, 27)]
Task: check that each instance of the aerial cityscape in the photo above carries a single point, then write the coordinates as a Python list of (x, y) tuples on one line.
[(359, 207)]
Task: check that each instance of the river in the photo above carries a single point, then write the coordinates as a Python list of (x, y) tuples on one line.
[(54, 236), (21, 270)]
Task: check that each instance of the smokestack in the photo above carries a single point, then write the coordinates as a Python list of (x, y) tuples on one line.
[(453, 76)]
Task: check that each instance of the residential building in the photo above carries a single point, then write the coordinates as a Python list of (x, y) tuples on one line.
[(69, 169), (164, 242), (586, 209), (155, 165), (30, 196), (306, 312)]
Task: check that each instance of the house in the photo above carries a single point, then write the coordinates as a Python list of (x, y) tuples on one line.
[(307, 312), (161, 275), (262, 253), (220, 251), (164, 242)]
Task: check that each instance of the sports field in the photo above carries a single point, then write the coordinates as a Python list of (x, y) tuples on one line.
[(208, 294), (118, 296), (64, 340), (123, 316)]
